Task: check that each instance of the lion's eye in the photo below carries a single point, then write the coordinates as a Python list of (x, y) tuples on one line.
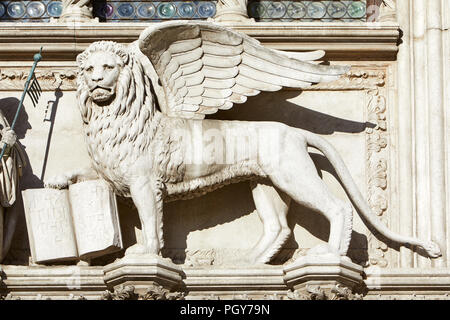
[(109, 67), (89, 69)]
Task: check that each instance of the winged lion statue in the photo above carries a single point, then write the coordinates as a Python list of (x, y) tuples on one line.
[(143, 108)]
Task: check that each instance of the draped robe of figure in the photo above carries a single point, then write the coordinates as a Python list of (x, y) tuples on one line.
[(76, 3), (231, 10), (10, 171)]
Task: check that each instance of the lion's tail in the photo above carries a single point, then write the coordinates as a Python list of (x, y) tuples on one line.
[(353, 192)]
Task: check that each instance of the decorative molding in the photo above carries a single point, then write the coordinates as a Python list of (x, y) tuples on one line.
[(338, 292), (217, 257), (153, 292), (355, 79), (377, 170), (121, 292), (49, 79)]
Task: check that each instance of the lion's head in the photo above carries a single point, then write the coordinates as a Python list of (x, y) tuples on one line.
[(110, 77)]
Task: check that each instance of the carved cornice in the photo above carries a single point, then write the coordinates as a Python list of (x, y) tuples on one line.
[(63, 41)]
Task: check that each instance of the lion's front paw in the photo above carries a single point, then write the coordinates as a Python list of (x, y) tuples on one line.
[(140, 249), (60, 181)]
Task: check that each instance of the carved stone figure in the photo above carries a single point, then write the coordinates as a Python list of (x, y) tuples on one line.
[(231, 10), (143, 109), (382, 10), (76, 10), (10, 170)]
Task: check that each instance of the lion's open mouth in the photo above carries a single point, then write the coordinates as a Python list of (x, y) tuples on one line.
[(102, 88), (101, 94)]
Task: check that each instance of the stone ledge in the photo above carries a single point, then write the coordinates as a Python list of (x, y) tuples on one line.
[(260, 281), (345, 41), (407, 282), (54, 281), (58, 282)]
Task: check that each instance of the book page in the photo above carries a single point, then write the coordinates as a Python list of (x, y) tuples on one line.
[(95, 217), (49, 224)]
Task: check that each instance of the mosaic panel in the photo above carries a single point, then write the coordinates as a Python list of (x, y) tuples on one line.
[(308, 11), (128, 11), (154, 11)]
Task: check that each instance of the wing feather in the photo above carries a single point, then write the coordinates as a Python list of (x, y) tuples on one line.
[(245, 91), (256, 84), (221, 61), (205, 67), (195, 91), (192, 67), (185, 45), (220, 73), (221, 50), (270, 78)]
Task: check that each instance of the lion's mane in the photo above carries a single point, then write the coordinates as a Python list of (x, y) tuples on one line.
[(125, 121), (118, 134)]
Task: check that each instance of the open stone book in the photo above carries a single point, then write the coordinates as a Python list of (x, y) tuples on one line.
[(79, 222)]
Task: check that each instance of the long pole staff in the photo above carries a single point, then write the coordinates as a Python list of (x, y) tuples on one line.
[(37, 57)]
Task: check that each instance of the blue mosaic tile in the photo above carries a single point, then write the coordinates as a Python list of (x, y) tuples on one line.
[(54, 9), (206, 9), (125, 10), (36, 9), (2, 10), (166, 10), (16, 9), (186, 10), (146, 10)]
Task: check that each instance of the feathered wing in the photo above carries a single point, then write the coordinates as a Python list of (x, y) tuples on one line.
[(204, 67)]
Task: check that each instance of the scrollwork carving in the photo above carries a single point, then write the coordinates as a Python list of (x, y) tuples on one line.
[(377, 167)]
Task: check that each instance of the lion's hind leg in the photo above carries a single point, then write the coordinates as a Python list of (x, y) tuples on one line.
[(272, 207), (297, 176)]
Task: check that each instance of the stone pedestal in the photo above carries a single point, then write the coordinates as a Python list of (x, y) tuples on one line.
[(324, 273), (142, 272)]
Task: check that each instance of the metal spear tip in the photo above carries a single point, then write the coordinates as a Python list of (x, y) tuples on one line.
[(38, 56)]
